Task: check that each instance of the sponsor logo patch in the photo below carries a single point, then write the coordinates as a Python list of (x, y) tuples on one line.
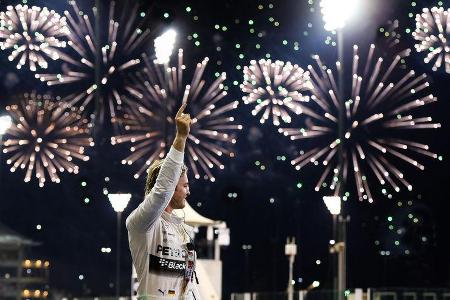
[(166, 266), (170, 251)]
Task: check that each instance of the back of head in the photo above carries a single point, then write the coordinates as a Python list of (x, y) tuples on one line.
[(153, 172)]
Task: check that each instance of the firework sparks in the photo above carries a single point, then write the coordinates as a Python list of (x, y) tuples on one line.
[(45, 137), (432, 33), (149, 126), (378, 115), (119, 51), (390, 40), (276, 89), (33, 33)]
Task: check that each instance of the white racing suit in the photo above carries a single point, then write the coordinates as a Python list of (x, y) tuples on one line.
[(158, 240)]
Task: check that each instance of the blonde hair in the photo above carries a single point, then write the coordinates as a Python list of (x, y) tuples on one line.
[(153, 172)]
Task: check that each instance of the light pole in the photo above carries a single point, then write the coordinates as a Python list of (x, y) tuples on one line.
[(336, 13), (119, 202), (290, 249), (333, 203), (247, 249)]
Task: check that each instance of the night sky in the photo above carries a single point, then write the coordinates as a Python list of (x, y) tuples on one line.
[(399, 240)]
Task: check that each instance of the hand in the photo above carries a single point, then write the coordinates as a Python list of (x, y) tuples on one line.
[(183, 122)]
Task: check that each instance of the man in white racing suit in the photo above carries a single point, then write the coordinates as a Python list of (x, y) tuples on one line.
[(161, 244)]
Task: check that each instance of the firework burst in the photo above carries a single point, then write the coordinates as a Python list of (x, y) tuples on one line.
[(431, 34), (276, 89), (378, 114), (149, 127), (117, 51), (33, 34), (45, 138)]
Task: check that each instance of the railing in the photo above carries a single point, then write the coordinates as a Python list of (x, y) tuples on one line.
[(318, 294), (409, 294), (356, 294), (297, 295)]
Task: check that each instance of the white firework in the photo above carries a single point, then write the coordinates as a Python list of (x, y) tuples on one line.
[(116, 53), (275, 88), (148, 123), (432, 34), (382, 104), (45, 138), (33, 34)]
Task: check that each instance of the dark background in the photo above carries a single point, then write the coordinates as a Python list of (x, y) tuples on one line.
[(73, 232)]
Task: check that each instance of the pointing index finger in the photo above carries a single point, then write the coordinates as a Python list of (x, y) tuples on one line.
[(181, 109)]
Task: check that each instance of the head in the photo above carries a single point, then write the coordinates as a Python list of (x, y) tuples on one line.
[(181, 190)]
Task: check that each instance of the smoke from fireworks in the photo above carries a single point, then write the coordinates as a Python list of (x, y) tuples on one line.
[(378, 114), (432, 34), (275, 88), (118, 51), (149, 124), (33, 34), (45, 138)]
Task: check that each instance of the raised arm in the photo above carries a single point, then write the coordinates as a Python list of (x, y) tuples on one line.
[(183, 122), (142, 218)]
